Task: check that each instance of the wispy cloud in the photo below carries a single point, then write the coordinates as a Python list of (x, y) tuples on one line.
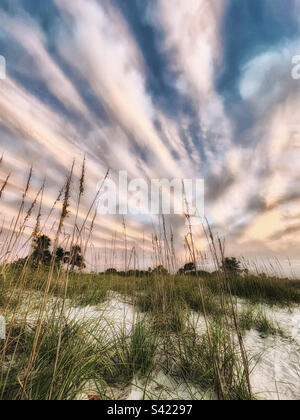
[(80, 83)]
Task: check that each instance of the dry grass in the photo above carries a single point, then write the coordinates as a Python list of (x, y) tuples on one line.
[(52, 358)]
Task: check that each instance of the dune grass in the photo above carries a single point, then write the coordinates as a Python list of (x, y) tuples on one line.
[(78, 362), (90, 289), (254, 317), (47, 355), (111, 357), (162, 339), (194, 362)]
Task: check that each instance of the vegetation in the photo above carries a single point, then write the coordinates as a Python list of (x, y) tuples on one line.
[(255, 318), (53, 350), (231, 266)]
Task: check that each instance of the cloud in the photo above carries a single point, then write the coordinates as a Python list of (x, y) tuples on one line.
[(89, 91), (29, 35), (192, 41), (266, 79), (291, 230), (113, 66)]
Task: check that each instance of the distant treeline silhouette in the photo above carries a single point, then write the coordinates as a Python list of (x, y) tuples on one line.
[(42, 255)]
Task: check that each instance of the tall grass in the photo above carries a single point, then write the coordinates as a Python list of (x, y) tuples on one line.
[(48, 356)]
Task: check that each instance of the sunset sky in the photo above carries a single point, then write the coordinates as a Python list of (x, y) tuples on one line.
[(161, 89)]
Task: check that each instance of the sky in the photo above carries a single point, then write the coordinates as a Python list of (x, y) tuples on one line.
[(197, 89)]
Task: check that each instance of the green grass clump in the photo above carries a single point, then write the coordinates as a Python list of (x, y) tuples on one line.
[(167, 307), (255, 318), (77, 363), (196, 355), (130, 354), (88, 355)]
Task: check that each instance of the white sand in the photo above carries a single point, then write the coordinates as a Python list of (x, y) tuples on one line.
[(276, 367), (162, 387), (275, 361), (115, 312)]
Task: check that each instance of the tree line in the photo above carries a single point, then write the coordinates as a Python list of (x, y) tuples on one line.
[(41, 254)]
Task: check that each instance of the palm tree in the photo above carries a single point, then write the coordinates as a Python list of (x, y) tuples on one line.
[(231, 265), (60, 254), (41, 250), (74, 258)]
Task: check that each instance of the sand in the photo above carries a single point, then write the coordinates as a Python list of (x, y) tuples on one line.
[(274, 360)]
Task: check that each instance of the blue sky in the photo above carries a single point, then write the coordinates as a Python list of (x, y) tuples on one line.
[(160, 88)]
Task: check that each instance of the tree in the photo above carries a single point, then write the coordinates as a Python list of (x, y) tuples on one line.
[(112, 271), (60, 255), (74, 257), (160, 270), (231, 265), (41, 251), (188, 268)]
